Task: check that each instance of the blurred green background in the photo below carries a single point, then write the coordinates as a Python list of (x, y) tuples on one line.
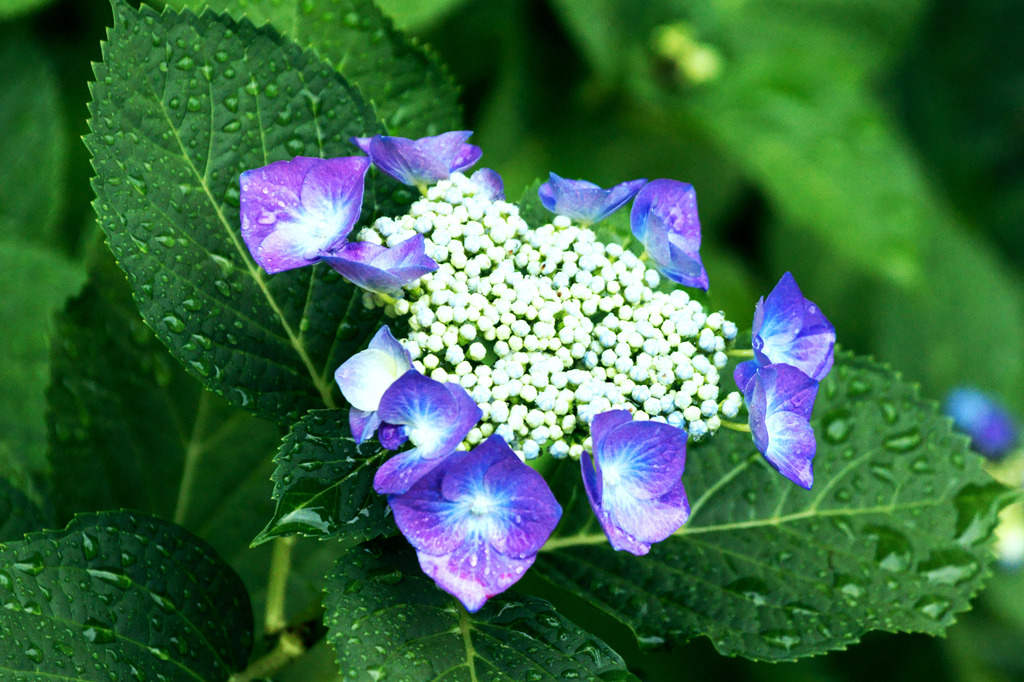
[(875, 148)]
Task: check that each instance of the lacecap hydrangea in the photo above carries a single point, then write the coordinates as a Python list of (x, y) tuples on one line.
[(523, 341)]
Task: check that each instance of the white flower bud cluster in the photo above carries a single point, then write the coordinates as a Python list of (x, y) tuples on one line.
[(547, 327)]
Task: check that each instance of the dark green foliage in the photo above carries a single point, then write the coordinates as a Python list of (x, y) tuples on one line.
[(324, 483), (181, 106), (120, 596), (410, 91), (35, 282), (386, 619), (893, 535), (32, 158), (18, 514), (129, 428)]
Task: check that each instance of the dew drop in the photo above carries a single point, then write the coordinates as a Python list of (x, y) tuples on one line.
[(903, 442), (838, 426), (174, 324)]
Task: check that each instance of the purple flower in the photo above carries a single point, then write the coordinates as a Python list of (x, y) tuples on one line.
[(584, 201), (294, 210), (779, 401), (490, 183), (435, 417), (664, 219), (365, 376), (424, 161), (633, 483), (992, 430), (381, 269), (789, 329), (477, 522)]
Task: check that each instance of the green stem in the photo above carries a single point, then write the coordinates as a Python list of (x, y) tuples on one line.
[(740, 352), (193, 452), (736, 426), (466, 627), (277, 583), (289, 647)]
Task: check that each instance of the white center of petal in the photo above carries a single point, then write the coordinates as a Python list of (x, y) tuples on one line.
[(424, 436), (481, 505), (610, 475)]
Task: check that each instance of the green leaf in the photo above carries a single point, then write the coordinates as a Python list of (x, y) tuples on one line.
[(120, 596), (893, 535), (411, 92), (386, 619), (324, 483), (12, 8), (420, 13), (34, 282), (181, 106), (18, 514), (530, 208), (32, 158), (129, 428)]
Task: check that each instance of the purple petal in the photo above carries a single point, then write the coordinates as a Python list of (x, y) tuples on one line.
[(401, 472), (591, 481), (423, 161), (531, 509), (427, 520), (633, 482), (363, 424), (383, 340), (603, 424), (664, 219), (791, 447), (743, 373), (633, 525), (490, 184), (365, 376), (392, 436), (779, 401), (477, 521), (643, 459), (363, 143), (792, 330), (992, 429), (584, 201), (437, 417), (381, 269), (291, 210), (474, 572)]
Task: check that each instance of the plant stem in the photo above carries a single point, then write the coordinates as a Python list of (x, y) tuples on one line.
[(736, 426), (740, 352), (289, 647), (277, 583), (193, 452)]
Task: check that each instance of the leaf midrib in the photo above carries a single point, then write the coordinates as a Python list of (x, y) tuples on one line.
[(294, 340)]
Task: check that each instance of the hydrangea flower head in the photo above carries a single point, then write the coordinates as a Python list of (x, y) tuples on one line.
[(381, 269), (779, 400), (584, 201), (423, 161), (992, 430), (294, 211), (435, 417), (477, 522), (664, 219), (547, 327), (365, 376), (792, 330), (634, 481)]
